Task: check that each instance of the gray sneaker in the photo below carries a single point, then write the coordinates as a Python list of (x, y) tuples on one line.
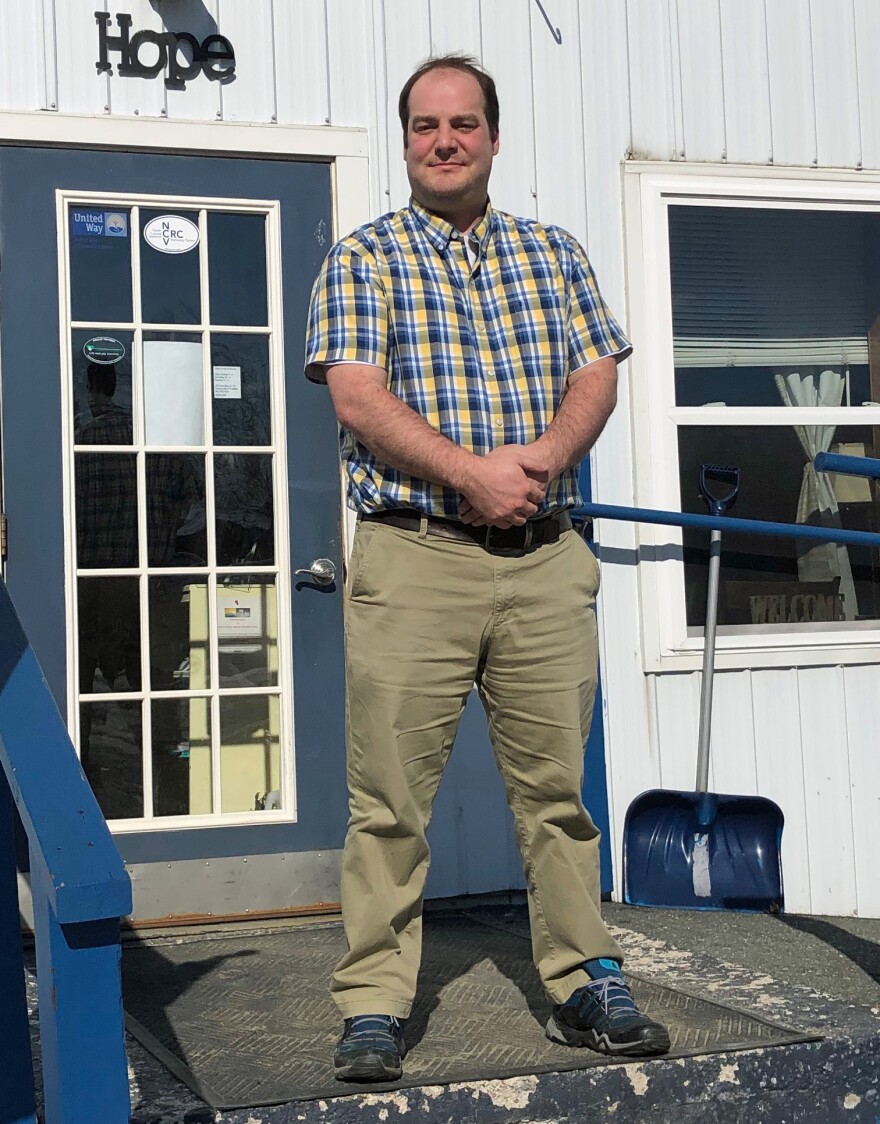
[(371, 1049)]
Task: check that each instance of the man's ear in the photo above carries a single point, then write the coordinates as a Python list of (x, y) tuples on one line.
[(496, 144)]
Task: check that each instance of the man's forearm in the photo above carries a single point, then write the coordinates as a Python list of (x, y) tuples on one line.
[(403, 439), (580, 419)]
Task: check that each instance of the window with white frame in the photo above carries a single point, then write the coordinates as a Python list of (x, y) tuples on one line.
[(758, 301), (175, 507)]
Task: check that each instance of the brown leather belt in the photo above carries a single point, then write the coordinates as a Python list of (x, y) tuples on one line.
[(513, 540)]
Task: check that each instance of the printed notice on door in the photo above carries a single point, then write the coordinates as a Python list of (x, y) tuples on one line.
[(227, 382)]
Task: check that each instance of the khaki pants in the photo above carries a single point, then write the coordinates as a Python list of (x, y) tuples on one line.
[(427, 618)]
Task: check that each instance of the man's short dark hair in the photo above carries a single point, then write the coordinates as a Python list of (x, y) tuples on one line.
[(468, 65)]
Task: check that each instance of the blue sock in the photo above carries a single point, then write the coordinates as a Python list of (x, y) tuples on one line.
[(596, 969)]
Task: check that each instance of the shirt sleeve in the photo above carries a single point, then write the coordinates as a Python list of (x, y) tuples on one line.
[(593, 332), (348, 314)]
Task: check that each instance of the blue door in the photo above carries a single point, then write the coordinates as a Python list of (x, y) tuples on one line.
[(167, 469)]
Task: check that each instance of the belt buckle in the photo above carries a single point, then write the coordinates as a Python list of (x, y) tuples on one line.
[(508, 551)]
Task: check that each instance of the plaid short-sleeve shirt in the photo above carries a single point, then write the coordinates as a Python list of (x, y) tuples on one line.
[(478, 339)]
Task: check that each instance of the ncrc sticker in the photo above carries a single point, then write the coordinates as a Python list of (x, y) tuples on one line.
[(100, 224), (171, 234)]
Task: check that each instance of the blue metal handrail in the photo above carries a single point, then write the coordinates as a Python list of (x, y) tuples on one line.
[(824, 462), (80, 889)]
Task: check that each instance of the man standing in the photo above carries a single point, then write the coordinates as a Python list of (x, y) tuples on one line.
[(472, 365)]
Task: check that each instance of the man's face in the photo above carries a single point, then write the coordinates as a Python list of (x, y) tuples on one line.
[(448, 150)]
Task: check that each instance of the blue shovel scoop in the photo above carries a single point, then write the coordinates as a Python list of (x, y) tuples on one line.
[(700, 849)]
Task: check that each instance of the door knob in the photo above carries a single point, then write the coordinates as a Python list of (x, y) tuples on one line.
[(322, 571)]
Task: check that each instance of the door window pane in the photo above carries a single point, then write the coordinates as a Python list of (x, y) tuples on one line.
[(100, 263), (247, 631), (757, 322), (174, 408), (250, 773), (102, 398), (109, 635), (106, 510), (237, 269), (179, 651), (110, 753), (240, 371), (776, 583), (243, 496), (176, 534), (170, 285), (181, 757)]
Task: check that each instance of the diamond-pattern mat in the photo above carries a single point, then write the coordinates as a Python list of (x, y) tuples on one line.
[(247, 1020)]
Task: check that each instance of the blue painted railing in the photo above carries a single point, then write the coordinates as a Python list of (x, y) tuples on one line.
[(824, 462), (80, 890)]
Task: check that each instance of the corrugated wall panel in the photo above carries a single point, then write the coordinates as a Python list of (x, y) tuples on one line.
[(251, 97), (837, 96), (559, 122), (200, 101), (407, 43), (827, 789), (732, 765), (301, 61), (790, 50), (678, 698), (23, 69), (702, 80), (80, 88), (507, 56), (455, 27), (134, 97), (867, 22), (746, 81), (605, 74), (862, 725), (777, 731), (652, 109)]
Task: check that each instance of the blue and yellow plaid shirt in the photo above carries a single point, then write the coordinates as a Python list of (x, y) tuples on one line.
[(479, 340)]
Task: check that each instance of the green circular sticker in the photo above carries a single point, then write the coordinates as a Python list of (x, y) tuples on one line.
[(104, 350)]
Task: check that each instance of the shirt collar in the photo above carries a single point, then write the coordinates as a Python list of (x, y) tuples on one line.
[(440, 232)]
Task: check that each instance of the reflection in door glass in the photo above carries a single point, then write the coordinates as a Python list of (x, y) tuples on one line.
[(237, 269), (250, 774), (170, 286), (176, 533), (179, 654), (101, 384), (100, 264), (109, 635), (240, 370), (182, 757), (243, 496), (110, 753), (174, 410), (106, 510), (247, 630)]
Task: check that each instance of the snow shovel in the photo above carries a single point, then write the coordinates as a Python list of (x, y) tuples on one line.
[(703, 850)]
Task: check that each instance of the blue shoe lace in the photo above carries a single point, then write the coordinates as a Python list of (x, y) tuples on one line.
[(607, 1000), (372, 1032)]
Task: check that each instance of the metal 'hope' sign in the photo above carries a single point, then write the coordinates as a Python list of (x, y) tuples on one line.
[(213, 57)]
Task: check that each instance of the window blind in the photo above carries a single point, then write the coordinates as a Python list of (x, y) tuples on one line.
[(763, 287)]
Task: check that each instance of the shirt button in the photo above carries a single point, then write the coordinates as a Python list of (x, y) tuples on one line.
[(499, 421)]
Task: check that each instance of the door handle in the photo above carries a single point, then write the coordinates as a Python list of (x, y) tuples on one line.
[(322, 571)]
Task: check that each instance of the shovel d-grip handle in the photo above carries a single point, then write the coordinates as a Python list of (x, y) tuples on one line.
[(719, 484)]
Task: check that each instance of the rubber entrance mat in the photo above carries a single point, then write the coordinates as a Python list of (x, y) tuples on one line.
[(247, 1020)]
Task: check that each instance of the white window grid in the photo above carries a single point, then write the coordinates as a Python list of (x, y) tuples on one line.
[(649, 190), (280, 571)]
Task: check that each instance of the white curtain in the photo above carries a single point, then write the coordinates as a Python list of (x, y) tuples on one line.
[(817, 503)]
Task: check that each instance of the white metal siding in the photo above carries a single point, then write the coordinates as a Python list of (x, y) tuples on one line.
[(787, 82)]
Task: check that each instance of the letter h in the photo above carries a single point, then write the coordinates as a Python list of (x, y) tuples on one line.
[(108, 43)]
